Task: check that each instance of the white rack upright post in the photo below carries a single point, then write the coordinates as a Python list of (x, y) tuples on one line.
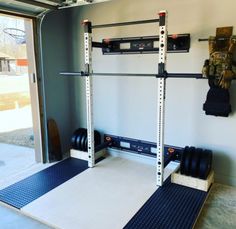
[(89, 90), (161, 87)]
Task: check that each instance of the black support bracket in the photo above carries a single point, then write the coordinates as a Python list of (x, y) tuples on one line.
[(179, 43), (172, 153)]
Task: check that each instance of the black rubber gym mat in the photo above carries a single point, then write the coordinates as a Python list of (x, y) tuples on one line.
[(25, 191), (171, 207)]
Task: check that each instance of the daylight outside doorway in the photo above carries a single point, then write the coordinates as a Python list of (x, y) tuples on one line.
[(17, 142)]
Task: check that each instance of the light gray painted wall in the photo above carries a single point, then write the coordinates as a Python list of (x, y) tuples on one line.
[(127, 106), (56, 58)]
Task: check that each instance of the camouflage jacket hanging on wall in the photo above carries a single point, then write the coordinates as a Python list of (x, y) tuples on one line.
[(220, 68)]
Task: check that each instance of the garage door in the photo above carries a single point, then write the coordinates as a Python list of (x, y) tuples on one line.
[(36, 7)]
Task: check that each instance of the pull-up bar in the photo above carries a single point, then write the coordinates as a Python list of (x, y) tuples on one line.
[(167, 75), (125, 23)]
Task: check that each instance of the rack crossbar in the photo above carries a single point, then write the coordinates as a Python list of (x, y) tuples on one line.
[(102, 146), (125, 23)]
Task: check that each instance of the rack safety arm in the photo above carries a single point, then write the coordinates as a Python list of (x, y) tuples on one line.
[(96, 44)]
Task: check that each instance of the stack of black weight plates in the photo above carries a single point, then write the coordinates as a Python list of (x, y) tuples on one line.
[(196, 162), (79, 140)]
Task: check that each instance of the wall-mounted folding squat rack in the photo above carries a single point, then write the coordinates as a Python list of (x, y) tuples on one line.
[(161, 76)]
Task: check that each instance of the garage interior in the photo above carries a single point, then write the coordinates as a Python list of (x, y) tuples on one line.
[(130, 138)]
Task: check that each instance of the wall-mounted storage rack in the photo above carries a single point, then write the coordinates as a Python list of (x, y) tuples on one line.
[(178, 43)]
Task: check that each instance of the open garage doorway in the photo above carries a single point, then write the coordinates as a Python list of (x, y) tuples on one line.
[(20, 135)]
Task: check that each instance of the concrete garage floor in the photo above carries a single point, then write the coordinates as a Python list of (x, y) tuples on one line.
[(17, 163), (10, 219), (14, 160), (220, 209), (20, 137)]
